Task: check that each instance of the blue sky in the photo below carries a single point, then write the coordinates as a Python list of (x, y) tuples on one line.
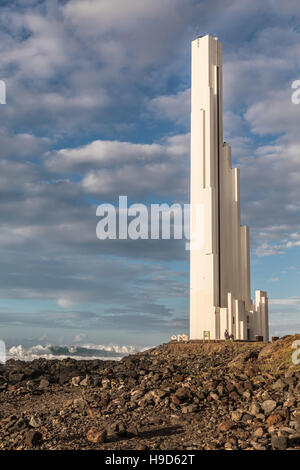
[(98, 106)]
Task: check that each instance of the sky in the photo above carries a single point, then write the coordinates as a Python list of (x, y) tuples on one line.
[(97, 106)]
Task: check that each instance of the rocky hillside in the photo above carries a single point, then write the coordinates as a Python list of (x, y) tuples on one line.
[(176, 396)]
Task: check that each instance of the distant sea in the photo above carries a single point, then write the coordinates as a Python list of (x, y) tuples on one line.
[(79, 352)]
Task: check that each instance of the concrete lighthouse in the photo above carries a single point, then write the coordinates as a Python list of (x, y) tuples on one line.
[(220, 296)]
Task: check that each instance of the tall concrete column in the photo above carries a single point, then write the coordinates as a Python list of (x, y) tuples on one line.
[(206, 135), (220, 259)]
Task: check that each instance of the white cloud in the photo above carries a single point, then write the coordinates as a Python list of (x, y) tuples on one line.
[(65, 302), (103, 153), (20, 146), (175, 107), (264, 249), (116, 15), (133, 32), (79, 337), (128, 168), (45, 48), (275, 114), (292, 301)]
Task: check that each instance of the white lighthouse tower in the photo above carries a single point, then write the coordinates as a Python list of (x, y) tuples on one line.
[(220, 297)]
